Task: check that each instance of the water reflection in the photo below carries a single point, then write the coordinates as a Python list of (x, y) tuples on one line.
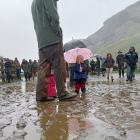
[(53, 123), (60, 121), (107, 109)]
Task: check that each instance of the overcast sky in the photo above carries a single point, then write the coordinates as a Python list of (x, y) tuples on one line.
[(79, 19)]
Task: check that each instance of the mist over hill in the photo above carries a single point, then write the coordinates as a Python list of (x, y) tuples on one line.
[(118, 32)]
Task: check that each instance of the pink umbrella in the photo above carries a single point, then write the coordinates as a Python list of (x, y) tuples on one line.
[(71, 55)]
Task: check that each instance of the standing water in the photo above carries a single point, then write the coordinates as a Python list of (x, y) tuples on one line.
[(108, 111)]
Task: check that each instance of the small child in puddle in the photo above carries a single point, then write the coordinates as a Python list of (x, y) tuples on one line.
[(80, 75)]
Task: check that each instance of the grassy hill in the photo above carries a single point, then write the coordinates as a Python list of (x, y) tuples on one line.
[(118, 33), (122, 45)]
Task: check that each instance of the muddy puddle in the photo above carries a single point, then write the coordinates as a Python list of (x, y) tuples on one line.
[(108, 111)]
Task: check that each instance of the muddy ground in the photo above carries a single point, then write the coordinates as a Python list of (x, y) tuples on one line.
[(108, 111)]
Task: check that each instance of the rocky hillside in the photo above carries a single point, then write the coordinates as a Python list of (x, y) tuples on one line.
[(119, 32)]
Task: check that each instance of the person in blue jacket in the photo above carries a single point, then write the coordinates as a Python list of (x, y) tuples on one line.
[(80, 75), (131, 60), (134, 51)]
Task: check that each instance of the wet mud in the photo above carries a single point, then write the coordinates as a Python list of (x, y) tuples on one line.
[(107, 111)]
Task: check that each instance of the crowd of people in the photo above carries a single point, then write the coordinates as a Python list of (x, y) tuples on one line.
[(50, 46), (77, 72), (11, 69), (106, 65)]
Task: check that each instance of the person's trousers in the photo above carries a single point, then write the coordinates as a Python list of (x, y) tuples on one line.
[(121, 71), (98, 71), (109, 72), (8, 74), (80, 84), (26, 74), (51, 56), (18, 71), (130, 72)]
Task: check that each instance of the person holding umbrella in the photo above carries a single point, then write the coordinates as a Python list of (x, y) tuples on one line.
[(78, 56), (80, 74)]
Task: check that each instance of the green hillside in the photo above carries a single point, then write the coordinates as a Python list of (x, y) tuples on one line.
[(122, 45), (118, 32)]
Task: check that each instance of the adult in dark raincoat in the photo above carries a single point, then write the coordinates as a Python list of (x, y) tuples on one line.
[(29, 69), (134, 51), (49, 36), (8, 70), (120, 60), (34, 69), (2, 70), (18, 68), (131, 59), (92, 65), (24, 66), (103, 66), (98, 66)]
